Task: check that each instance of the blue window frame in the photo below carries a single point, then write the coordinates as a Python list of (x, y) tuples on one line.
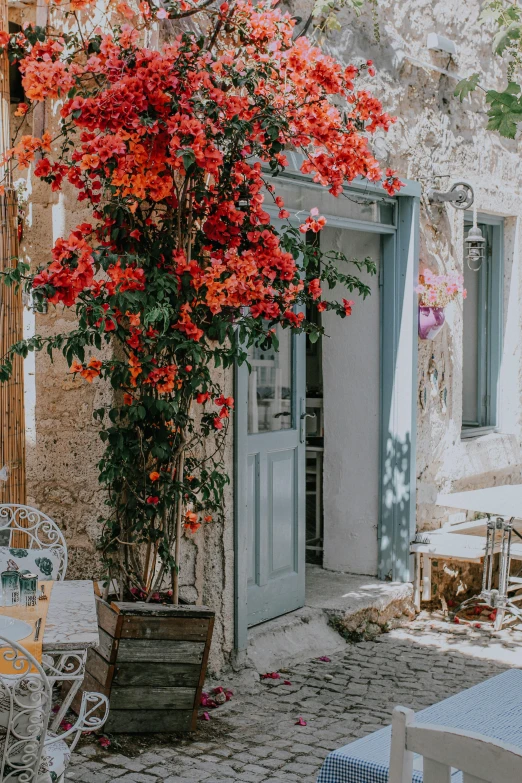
[(482, 331)]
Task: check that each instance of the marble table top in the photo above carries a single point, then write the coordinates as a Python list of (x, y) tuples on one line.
[(72, 623)]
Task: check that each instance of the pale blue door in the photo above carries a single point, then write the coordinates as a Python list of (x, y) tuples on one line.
[(271, 421)]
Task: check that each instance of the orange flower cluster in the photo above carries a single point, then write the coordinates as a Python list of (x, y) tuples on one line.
[(191, 522), (89, 372), (163, 378), (25, 150)]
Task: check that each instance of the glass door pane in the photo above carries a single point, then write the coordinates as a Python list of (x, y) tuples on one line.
[(270, 386)]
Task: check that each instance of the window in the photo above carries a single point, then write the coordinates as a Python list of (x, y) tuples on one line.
[(482, 331)]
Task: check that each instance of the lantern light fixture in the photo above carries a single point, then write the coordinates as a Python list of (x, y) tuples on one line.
[(475, 246)]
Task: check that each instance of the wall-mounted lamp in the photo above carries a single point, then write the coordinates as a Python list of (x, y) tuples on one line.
[(475, 245), (460, 196), (438, 43)]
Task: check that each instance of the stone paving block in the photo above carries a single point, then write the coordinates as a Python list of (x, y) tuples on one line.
[(135, 765), (160, 772), (137, 777), (88, 776), (255, 740)]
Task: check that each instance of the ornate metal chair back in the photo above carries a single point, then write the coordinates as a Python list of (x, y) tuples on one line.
[(28, 533), (25, 707)]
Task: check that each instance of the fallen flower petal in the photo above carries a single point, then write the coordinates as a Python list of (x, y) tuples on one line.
[(287, 682), (325, 658), (204, 716), (105, 742), (300, 722)]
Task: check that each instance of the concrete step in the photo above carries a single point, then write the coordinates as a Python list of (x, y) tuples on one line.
[(339, 608)]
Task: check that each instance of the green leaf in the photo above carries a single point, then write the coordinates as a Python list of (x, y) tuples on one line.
[(505, 111), (466, 86), (505, 37)]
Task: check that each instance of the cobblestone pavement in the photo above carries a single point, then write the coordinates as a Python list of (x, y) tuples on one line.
[(254, 738)]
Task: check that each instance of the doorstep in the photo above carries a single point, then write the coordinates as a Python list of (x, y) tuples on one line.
[(339, 607)]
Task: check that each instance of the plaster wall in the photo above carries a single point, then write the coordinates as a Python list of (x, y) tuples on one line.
[(438, 140), (351, 375)]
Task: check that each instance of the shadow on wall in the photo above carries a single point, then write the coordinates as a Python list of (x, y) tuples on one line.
[(397, 528)]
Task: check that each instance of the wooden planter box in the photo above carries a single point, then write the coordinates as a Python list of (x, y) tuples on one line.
[(151, 664)]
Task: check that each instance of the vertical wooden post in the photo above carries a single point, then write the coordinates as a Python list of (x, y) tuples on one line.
[(12, 416)]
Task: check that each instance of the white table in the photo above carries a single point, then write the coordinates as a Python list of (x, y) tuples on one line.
[(505, 504), (502, 501), (493, 708), (71, 629)]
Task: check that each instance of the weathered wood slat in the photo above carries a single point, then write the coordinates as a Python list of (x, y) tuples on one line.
[(202, 675), (108, 646), (149, 722), (152, 698), (152, 650), (193, 629), (160, 610), (99, 668), (167, 674), (108, 619)]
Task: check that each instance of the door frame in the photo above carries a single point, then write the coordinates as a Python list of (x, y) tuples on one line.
[(398, 409)]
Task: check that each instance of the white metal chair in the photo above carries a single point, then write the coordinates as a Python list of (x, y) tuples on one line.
[(28, 752), (480, 759), (41, 537)]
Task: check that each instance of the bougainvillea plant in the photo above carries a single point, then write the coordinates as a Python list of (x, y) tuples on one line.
[(179, 269)]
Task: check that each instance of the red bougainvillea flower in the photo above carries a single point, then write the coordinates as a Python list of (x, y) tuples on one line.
[(348, 304), (153, 500), (313, 224), (314, 288)]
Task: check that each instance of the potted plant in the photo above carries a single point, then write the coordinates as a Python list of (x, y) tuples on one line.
[(435, 292), (178, 272)]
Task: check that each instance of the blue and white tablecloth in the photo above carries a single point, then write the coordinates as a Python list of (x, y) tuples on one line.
[(493, 708)]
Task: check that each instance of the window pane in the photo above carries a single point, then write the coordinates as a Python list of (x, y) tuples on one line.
[(270, 386), (470, 368), (356, 207)]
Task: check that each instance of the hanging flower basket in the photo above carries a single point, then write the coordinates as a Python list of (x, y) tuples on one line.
[(436, 291), (431, 321)]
